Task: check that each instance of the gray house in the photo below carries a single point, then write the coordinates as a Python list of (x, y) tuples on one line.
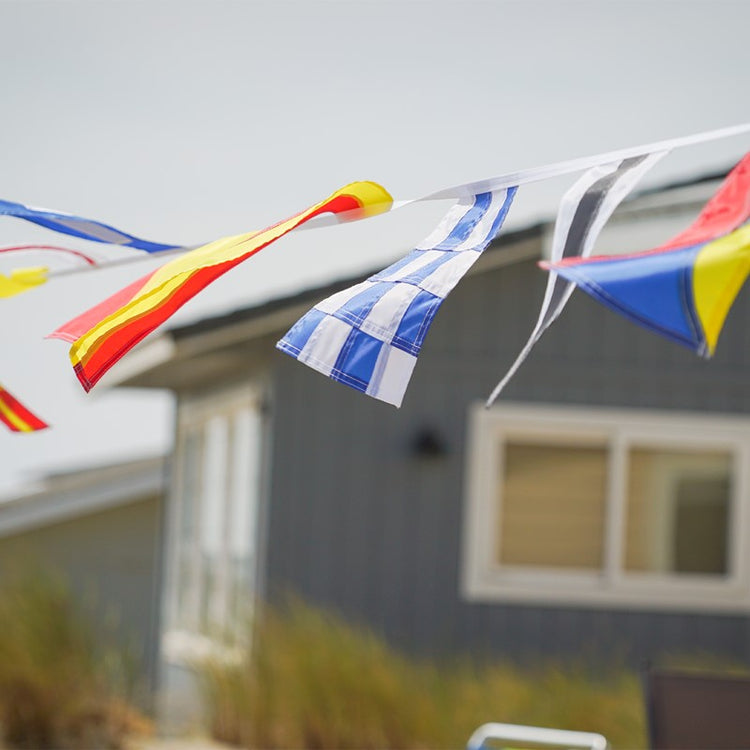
[(98, 528), (600, 510)]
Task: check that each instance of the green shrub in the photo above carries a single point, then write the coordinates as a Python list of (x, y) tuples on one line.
[(60, 686), (313, 681)]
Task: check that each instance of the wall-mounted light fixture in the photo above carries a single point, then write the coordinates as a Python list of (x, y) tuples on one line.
[(428, 443)]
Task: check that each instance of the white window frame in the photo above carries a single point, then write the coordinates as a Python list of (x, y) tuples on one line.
[(182, 644), (483, 579)]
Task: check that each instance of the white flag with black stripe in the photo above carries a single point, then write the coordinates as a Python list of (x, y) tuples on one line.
[(583, 212)]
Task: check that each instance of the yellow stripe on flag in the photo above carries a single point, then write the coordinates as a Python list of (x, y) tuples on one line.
[(12, 417), (720, 270)]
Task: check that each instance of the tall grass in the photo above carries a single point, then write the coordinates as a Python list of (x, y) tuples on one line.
[(61, 687), (313, 681)]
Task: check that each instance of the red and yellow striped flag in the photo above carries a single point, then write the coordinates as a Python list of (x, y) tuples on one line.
[(102, 335), (16, 417)]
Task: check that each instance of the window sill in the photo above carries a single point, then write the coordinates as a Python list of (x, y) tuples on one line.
[(695, 594)]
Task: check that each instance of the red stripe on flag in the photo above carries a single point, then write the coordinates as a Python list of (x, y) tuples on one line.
[(20, 411), (727, 210), (75, 328), (119, 341)]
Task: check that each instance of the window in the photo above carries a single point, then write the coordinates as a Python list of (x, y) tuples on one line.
[(213, 517), (553, 506), (607, 508), (677, 511)]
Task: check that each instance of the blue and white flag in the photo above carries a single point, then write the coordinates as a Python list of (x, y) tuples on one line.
[(369, 335), (77, 226)]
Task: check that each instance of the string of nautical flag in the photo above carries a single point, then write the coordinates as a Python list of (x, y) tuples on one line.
[(369, 336), (137, 249)]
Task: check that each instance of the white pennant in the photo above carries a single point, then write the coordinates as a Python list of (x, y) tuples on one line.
[(604, 186)]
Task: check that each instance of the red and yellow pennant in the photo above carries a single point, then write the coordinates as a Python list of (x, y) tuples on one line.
[(683, 289), (105, 333), (16, 417)]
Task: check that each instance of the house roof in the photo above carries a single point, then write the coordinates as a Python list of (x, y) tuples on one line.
[(146, 365), (66, 495)]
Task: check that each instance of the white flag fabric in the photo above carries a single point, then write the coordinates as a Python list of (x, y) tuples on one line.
[(583, 212)]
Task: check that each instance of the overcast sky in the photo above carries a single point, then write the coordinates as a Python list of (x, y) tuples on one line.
[(186, 121)]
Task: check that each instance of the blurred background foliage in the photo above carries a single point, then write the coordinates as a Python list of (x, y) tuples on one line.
[(64, 685), (313, 681), (309, 680)]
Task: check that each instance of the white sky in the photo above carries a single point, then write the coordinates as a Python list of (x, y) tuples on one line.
[(186, 121)]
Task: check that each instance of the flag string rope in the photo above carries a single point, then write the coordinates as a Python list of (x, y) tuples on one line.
[(384, 324), (465, 190), (369, 336)]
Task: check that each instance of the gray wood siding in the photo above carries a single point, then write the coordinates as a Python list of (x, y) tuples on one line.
[(360, 524), (109, 560)]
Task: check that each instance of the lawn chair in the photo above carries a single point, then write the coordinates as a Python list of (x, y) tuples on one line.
[(694, 711), (515, 735)]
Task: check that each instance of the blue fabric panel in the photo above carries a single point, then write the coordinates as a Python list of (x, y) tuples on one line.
[(150, 247), (467, 222), (298, 335), (9, 208), (417, 277), (358, 307), (357, 359), (416, 322), (653, 290), (497, 225), (397, 266)]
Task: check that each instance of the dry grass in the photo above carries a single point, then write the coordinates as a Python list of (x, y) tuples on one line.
[(312, 681), (60, 686)]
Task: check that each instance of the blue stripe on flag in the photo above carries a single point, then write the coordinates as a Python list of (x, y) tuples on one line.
[(416, 321), (358, 307), (356, 361), (397, 266), (417, 277), (467, 223), (65, 224), (500, 218), (298, 335)]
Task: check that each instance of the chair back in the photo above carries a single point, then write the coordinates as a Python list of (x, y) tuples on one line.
[(694, 711)]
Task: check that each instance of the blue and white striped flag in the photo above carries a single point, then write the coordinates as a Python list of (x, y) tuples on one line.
[(369, 335)]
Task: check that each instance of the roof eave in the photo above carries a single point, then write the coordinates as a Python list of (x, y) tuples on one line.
[(151, 364)]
